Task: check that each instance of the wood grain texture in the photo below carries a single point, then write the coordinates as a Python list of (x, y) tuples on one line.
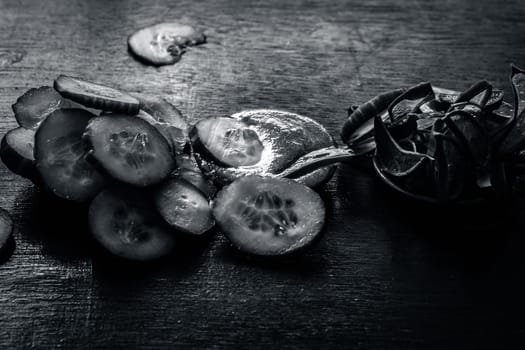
[(388, 273)]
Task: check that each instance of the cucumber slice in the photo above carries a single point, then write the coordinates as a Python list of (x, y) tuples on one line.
[(129, 149), (36, 104), (228, 141), (163, 43), (95, 95), (6, 230), (167, 119), (184, 207), (16, 151), (268, 216), (126, 224), (61, 159), (189, 171)]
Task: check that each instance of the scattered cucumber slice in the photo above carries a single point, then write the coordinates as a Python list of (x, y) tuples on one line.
[(16, 151), (163, 43), (184, 207), (61, 158), (268, 216), (129, 149), (126, 224), (36, 104), (95, 95), (228, 141), (6, 230)]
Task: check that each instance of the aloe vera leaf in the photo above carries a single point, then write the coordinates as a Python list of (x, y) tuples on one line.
[(356, 124), (480, 93), (470, 134), (317, 159), (410, 100), (392, 158), (514, 138)]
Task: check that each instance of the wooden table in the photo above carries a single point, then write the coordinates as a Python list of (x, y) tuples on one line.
[(388, 273)]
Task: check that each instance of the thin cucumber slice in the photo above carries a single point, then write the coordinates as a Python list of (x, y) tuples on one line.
[(163, 43), (184, 207), (36, 104), (129, 149), (227, 141), (6, 230), (267, 216), (95, 95), (126, 225), (61, 158), (16, 151)]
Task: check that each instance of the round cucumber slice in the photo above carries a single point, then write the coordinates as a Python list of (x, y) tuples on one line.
[(61, 158), (163, 43), (126, 224), (268, 216), (129, 149), (184, 207), (6, 230), (228, 141), (36, 104), (16, 151)]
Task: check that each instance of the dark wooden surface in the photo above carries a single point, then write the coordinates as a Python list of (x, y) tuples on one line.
[(388, 273)]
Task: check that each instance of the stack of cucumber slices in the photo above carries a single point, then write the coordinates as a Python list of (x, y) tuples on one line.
[(129, 156)]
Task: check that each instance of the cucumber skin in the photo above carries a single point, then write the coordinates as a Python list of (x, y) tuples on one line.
[(97, 102), (17, 164)]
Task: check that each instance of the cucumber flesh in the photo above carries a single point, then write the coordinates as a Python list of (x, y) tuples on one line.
[(129, 149), (126, 225), (61, 159), (95, 95), (267, 216), (16, 151), (184, 207), (228, 141), (163, 43), (36, 104)]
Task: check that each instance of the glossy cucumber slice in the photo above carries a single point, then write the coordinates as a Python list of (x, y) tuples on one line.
[(61, 158), (228, 141), (36, 104), (184, 207), (163, 43), (16, 151), (95, 95), (6, 230), (129, 149), (268, 216), (126, 224)]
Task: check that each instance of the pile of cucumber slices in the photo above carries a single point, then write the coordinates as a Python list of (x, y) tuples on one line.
[(131, 158)]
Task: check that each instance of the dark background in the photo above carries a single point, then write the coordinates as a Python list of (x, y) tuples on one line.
[(388, 273)]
